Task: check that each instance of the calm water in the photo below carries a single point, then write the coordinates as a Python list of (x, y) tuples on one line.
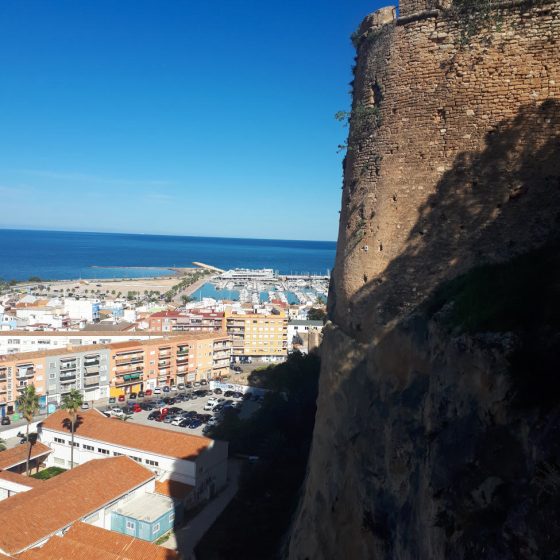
[(68, 255)]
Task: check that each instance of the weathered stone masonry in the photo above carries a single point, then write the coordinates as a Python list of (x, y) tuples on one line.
[(439, 183), (454, 160)]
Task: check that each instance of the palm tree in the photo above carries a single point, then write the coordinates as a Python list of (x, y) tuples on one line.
[(28, 405), (71, 402)]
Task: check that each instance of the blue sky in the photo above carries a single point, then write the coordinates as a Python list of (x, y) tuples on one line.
[(175, 116)]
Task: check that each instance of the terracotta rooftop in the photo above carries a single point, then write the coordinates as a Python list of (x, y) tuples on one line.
[(86, 542), (94, 425), (66, 498), (20, 479), (18, 455), (174, 489), (159, 314)]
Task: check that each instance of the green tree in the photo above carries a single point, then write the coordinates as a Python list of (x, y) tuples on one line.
[(28, 406), (2, 445), (71, 403), (317, 314)]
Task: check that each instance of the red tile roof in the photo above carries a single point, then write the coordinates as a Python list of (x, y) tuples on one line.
[(174, 489), (18, 455), (86, 542), (29, 517), (94, 425), (20, 479)]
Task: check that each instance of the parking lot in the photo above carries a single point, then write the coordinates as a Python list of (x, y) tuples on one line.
[(194, 405)]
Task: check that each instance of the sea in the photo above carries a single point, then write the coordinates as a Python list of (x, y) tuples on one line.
[(65, 255)]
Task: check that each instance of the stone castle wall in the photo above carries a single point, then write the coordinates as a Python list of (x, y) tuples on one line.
[(452, 156)]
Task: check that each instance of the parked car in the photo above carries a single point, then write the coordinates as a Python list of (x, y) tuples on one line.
[(121, 398), (188, 385), (132, 396), (195, 424), (157, 391), (203, 382), (5, 421), (237, 395), (184, 422), (141, 394), (204, 418), (127, 409), (166, 389), (136, 408), (147, 406), (148, 392), (180, 386), (169, 400), (228, 393), (116, 411), (218, 391), (85, 406), (112, 400), (168, 418), (153, 415), (247, 397), (175, 410)]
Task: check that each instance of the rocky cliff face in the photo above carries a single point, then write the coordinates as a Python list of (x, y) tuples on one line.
[(424, 446)]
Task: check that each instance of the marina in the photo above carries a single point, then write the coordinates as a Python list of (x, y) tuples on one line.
[(265, 285)]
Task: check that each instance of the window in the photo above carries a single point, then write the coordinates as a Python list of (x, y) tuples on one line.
[(171, 517), (116, 454), (88, 447), (155, 528), (153, 463), (137, 459), (59, 440), (59, 461), (131, 525), (104, 451), (75, 444)]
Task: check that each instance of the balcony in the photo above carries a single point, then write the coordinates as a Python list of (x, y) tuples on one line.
[(89, 381), (67, 389), (68, 378), (129, 372), (132, 379), (91, 370), (25, 371), (90, 363), (129, 361)]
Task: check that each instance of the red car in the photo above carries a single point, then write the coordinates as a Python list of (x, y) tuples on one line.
[(136, 408), (121, 398), (148, 392)]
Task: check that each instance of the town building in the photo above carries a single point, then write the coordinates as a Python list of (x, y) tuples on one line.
[(92, 493), (257, 335), (28, 341), (305, 335), (103, 370), (197, 463)]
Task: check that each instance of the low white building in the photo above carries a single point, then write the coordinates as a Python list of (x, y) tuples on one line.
[(199, 462), (299, 334), (82, 309)]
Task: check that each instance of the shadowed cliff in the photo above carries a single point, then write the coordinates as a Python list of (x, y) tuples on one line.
[(439, 439)]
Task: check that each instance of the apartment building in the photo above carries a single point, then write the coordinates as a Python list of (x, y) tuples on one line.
[(102, 370), (193, 321), (258, 335)]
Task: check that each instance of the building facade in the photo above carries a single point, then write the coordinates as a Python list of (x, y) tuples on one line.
[(102, 370), (258, 335)]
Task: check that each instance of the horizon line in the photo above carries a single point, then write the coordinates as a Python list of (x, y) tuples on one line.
[(21, 228)]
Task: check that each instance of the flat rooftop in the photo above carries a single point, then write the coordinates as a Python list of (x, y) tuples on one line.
[(147, 507)]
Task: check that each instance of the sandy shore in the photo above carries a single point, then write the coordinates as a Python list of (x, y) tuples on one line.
[(106, 286)]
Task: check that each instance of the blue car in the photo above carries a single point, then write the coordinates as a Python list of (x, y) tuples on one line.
[(195, 424)]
